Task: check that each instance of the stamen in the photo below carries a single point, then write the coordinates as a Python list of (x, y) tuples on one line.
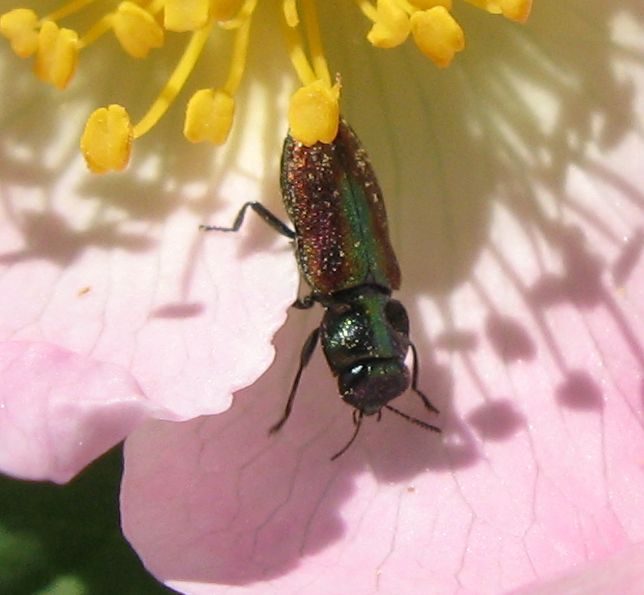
[(515, 10), (176, 81), (67, 10), (210, 112), (57, 54), (297, 56), (102, 26), (391, 25), (185, 15), (238, 60), (315, 42), (289, 7), (209, 116), (314, 113), (20, 27), (225, 10), (368, 10), (107, 139), (136, 29), (314, 108), (437, 35)]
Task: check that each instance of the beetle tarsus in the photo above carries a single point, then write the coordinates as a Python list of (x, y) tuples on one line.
[(277, 224)]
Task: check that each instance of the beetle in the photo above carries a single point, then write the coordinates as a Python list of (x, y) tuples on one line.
[(342, 246)]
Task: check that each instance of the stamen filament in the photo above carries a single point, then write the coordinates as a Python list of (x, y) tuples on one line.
[(245, 12), (297, 56), (238, 61), (314, 39), (176, 81), (406, 6), (67, 10), (289, 7), (96, 31), (367, 9)]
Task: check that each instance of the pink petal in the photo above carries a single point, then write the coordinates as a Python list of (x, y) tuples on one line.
[(521, 251), (116, 271), (59, 410), (174, 306), (622, 573)]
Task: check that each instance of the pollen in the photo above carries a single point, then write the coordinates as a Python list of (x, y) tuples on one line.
[(136, 30), (515, 10), (314, 113), (209, 116), (391, 24), (437, 35), (107, 139), (56, 42), (20, 27)]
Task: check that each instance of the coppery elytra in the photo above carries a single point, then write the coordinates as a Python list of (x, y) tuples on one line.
[(342, 247)]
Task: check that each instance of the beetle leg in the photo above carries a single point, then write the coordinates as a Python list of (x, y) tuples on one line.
[(263, 212), (414, 380), (307, 351)]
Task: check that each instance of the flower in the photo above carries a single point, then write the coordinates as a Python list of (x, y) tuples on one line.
[(142, 27), (512, 182)]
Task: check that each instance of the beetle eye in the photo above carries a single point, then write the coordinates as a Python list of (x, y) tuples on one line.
[(397, 316)]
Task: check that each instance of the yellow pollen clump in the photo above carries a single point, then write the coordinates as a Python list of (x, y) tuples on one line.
[(20, 27), (136, 29), (437, 35), (185, 15), (107, 139), (515, 10), (57, 54), (141, 25), (209, 116), (314, 110), (314, 113), (391, 25)]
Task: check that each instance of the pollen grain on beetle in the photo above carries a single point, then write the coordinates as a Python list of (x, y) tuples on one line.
[(141, 26)]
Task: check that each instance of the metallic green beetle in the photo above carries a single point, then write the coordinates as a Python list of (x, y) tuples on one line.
[(343, 250)]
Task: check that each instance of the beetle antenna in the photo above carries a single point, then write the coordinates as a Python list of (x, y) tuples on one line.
[(357, 421), (414, 380), (413, 420)]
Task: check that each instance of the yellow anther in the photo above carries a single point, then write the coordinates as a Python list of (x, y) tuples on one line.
[(57, 54), (518, 11), (437, 35), (209, 116), (107, 139), (185, 15), (314, 113), (136, 29), (19, 26), (391, 27)]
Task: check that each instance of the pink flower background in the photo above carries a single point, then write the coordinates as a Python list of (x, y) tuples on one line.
[(514, 186)]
